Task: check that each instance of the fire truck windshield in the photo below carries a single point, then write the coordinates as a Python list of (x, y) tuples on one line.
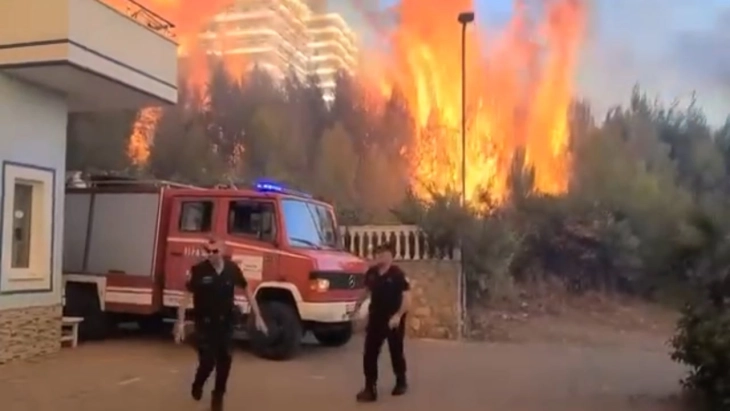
[(309, 225)]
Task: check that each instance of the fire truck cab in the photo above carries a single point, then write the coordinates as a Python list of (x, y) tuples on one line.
[(128, 245)]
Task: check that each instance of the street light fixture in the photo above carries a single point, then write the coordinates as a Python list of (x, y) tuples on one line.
[(464, 19)]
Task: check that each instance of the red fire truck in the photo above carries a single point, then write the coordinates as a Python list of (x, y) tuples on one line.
[(128, 245)]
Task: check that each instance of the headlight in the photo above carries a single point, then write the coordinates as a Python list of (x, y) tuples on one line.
[(319, 285)]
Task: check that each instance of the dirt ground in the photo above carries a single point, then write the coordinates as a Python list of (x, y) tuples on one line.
[(594, 320), (631, 373)]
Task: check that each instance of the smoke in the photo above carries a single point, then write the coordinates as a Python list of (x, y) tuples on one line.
[(705, 54), (671, 48), (372, 17)]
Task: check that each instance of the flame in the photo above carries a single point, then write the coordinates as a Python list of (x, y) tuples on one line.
[(518, 88), (189, 18), (518, 92), (138, 149)]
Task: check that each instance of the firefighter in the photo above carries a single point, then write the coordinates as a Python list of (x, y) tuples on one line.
[(389, 292), (210, 285)]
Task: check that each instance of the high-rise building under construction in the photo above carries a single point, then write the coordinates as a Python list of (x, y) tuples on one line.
[(317, 6), (283, 36), (332, 48), (269, 33)]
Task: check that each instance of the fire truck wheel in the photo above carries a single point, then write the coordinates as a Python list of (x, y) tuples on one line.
[(285, 332), (334, 336)]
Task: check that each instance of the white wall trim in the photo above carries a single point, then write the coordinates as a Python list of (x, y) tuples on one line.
[(38, 277)]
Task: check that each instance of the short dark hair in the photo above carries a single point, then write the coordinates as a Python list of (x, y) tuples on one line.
[(383, 247)]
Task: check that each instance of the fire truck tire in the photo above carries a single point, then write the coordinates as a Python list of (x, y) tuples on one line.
[(285, 332), (335, 336)]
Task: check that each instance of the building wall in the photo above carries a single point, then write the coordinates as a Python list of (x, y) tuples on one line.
[(32, 154)]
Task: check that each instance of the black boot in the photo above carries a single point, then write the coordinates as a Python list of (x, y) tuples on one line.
[(196, 391), (401, 387), (216, 402), (368, 394)]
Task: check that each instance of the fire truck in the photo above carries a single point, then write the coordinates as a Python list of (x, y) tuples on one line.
[(128, 245)]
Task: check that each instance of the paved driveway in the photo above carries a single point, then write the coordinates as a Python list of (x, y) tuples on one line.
[(133, 374)]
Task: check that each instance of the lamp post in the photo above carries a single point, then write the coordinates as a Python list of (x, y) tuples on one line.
[(464, 19)]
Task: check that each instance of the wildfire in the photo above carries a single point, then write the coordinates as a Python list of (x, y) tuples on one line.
[(189, 18), (143, 129), (518, 88), (517, 95)]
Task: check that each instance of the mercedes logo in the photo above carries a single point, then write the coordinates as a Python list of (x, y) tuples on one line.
[(351, 281)]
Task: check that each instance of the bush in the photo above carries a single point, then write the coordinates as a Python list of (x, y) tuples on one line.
[(702, 339), (702, 342)]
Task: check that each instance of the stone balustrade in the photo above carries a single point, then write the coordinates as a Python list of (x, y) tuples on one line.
[(409, 241)]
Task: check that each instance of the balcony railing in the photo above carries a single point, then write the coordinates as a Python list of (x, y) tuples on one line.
[(409, 242), (143, 16)]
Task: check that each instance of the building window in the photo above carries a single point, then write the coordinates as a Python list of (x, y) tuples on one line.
[(22, 223), (27, 232)]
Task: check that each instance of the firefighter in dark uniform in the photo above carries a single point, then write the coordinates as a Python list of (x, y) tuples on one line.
[(211, 285), (388, 289)]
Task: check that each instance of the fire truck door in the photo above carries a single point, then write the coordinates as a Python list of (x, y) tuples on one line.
[(192, 221), (252, 231)]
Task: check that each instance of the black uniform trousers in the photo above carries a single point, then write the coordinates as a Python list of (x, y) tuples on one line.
[(376, 333), (214, 340)]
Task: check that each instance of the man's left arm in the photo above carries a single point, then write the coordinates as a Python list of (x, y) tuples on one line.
[(406, 300), (242, 283)]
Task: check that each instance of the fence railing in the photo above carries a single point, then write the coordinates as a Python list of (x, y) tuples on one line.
[(409, 242)]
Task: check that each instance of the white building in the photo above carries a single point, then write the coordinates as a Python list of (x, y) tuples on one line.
[(280, 35), (75, 55), (317, 6), (332, 48), (269, 33)]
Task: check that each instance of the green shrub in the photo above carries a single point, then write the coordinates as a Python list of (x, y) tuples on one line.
[(702, 338), (702, 343)]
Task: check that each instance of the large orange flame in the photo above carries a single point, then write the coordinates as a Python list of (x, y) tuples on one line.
[(189, 18), (518, 89), (138, 148), (518, 92)]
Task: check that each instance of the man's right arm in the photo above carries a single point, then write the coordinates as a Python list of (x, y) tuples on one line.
[(184, 304), (362, 298), (365, 294), (187, 297)]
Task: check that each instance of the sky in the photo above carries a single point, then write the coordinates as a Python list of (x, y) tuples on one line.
[(671, 48)]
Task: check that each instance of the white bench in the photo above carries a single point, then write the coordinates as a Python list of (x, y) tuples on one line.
[(70, 330)]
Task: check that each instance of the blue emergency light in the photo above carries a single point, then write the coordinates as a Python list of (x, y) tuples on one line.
[(268, 186)]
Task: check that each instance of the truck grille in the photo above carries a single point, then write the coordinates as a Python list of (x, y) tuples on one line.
[(340, 280)]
